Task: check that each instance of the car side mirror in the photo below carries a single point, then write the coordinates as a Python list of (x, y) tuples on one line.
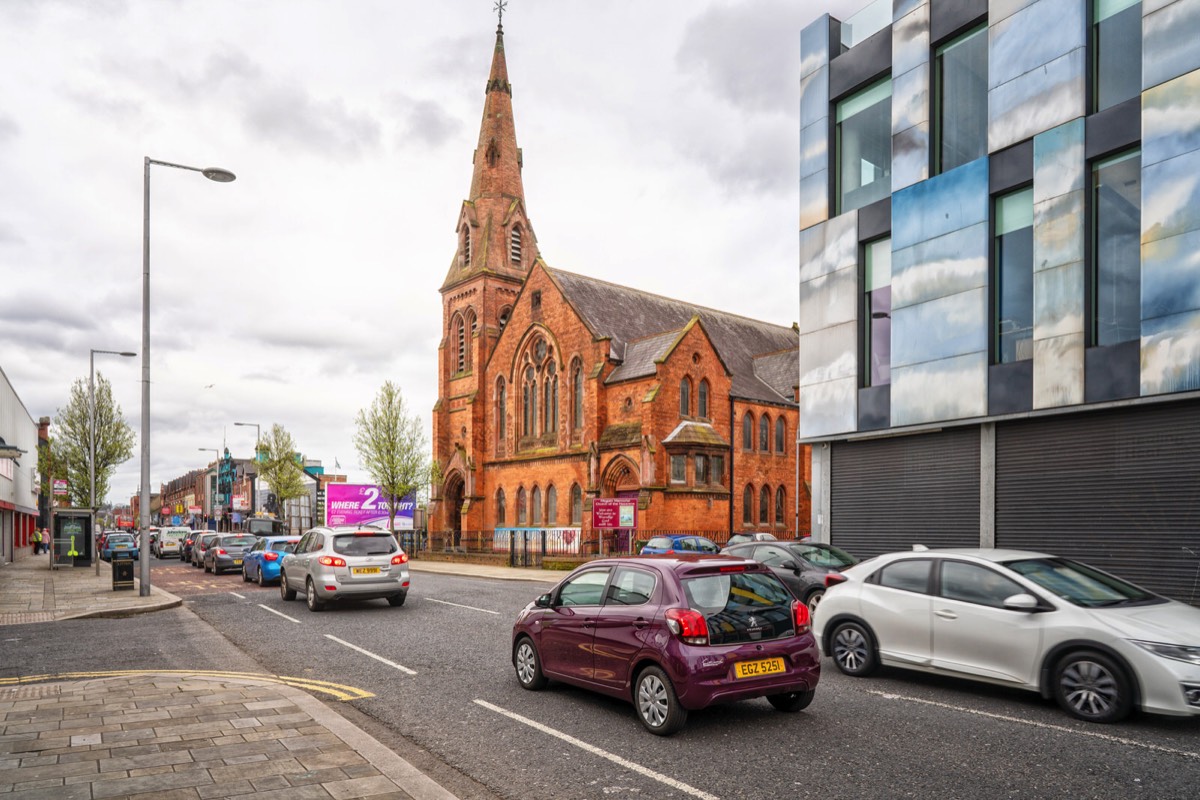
[(543, 601), (1022, 602), (792, 565)]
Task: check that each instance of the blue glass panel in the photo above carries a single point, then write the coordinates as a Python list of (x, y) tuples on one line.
[(953, 388), (827, 408), (814, 97), (812, 252), (939, 267), (814, 45), (1171, 197), (1058, 231), (1003, 9), (1058, 161), (814, 148), (830, 246), (1170, 276), (902, 8), (932, 208), (910, 40), (1034, 36), (829, 354), (1171, 354), (1058, 301), (1170, 42), (829, 300), (910, 156), (1037, 101), (941, 328), (910, 98), (1058, 371), (814, 198), (1169, 114)]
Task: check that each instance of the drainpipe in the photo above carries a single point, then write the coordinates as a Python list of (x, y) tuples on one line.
[(732, 452)]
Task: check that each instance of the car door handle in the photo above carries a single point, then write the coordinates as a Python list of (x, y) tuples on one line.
[(640, 623), (946, 614)]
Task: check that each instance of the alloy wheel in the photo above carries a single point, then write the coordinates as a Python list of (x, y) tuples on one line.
[(652, 700), (850, 649), (526, 664), (1089, 688)]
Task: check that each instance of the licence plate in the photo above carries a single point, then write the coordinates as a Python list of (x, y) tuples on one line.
[(365, 570), (237, 562), (753, 669)]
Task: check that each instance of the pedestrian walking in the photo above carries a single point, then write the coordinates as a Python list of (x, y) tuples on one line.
[(37, 541), (45, 540)]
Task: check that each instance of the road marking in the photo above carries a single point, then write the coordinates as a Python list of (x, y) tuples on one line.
[(337, 690), (280, 613), (1043, 725), (380, 659), (638, 768), (239, 596), (460, 605)]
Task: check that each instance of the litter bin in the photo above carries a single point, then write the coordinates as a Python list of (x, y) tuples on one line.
[(122, 573)]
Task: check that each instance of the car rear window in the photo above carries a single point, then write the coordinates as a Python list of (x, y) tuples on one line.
[(352, 544), (284, 547), (239, 541), (742, 606), (173, 535), (208, 538), (121, 538)]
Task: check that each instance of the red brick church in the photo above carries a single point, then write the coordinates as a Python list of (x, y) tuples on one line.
[(556, 389)]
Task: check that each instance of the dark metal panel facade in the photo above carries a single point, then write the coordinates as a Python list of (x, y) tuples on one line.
[(1119, 489), (889, 494)]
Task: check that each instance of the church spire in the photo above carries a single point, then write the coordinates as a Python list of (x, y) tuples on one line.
[(497, 157)]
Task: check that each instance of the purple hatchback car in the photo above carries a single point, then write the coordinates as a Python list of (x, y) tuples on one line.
[(671, 634)]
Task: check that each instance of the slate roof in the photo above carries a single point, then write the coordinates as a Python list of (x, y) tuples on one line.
[(624, 434), (636, 321), (641, 355), (701, 433), (779, 370)]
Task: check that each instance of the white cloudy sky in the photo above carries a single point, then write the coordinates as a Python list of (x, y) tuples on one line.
[(661, 151)]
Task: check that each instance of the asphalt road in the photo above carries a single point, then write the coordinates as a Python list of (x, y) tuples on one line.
[(446, 698)]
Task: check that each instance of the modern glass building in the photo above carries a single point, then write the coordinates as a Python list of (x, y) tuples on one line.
[(1000, 279)]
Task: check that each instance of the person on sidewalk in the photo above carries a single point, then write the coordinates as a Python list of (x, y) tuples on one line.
[(45, 540), (37, 541)]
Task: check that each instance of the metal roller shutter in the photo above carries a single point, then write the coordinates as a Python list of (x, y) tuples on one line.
[(1118, 489), (888, 494)]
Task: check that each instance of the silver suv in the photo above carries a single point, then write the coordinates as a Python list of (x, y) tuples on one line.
[(345, 563)]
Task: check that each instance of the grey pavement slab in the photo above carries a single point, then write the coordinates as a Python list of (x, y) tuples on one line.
[(33, 592)]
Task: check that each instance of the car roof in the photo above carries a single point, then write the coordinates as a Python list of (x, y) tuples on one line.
[(996, 554), (676, 561)]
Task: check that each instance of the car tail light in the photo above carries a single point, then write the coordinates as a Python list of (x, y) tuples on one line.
[(331, 561), (188, 543), (270, 556), (402, 558), (364, 533), (801, 616), (688, 625), (834, 578), (221, 551), (733, 569), (331, 588)]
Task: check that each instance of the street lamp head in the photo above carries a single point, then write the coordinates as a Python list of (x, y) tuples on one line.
[(128, 355), (219, 175)]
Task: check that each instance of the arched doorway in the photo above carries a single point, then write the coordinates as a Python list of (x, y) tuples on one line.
[(621, 481), (452, 496)]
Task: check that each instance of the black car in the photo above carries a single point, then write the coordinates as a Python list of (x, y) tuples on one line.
[(802, 566), (227, 552)]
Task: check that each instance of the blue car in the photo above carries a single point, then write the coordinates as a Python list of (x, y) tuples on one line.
[(679, 543), (261, 562), (122, 544)]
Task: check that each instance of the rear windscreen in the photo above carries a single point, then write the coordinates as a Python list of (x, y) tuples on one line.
[(239, 541), (374, 545), (742, 606), (284, 547)]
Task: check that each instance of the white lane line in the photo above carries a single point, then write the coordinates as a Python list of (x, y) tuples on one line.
[(638, 768), (460, 605), (368, 653), (280, 613), (1044, 725), (239, 596)]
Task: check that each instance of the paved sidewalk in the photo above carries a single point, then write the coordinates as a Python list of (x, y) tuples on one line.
[(32, 592), (485, 571), (190, 737)]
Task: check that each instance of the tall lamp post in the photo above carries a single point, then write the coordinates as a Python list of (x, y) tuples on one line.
[(92, 439), (213, 174), (217, 461)]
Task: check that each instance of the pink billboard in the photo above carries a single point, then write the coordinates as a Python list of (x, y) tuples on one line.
[(364, 504)]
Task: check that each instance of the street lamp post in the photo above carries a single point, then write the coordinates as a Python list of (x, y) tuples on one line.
[(217, 462), (92, 440), (213, 174)]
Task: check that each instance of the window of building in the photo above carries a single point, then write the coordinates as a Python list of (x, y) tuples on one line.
[(466, 245), (877, 313), (551, 507), (1116, 249), (501, 510), (960, 101), (764, 505), (460, 335), (748, 506), (576, 394), (780, 436), (522, 511), (1116, 52), (501, 411), (863, 142), (550, 399), (748, 432), (678, 469), (764, 434), (1014, 276), (505, 313), (535, 505), (685, 397), (529, 396), (701, 465), (718, 470), (576, 505), (702, 400), (780, 506), (514, 245), (535, 300)]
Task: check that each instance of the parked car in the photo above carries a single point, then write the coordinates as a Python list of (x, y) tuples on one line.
[(227, 552), (679, 543), (1099, 645), (345, 563), (265, 526), (261, 562), (185, 547), (170, 541), (739, 538), (802, 566), (199, 545), (671, 635), (122, 545)]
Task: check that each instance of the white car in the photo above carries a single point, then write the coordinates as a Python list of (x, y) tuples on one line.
[(1097, 644)]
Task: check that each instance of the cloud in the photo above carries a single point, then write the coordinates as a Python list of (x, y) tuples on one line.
[(286, 114), (9, 235), (425, 123), (33, 309), (9, 129)]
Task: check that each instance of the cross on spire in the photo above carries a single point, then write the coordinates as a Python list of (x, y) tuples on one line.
[(499, 9)]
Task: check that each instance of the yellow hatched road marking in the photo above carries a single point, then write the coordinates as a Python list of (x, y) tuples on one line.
[(337, 690)]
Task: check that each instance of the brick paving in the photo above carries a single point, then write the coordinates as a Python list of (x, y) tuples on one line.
[(35, 593)]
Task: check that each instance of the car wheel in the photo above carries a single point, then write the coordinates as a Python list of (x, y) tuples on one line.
[(397, 599), (529, 666), (792, 701), (261, 582), (310, 597), (814, 599), (245, 577), (657, 706), (285, 592), (1092, 687), (854, 650)]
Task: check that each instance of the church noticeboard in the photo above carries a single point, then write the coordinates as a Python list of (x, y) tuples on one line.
[(614, 512)]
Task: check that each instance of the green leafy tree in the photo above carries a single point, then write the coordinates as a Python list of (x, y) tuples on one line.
[(71, 453), (393, 447), (277, 465)]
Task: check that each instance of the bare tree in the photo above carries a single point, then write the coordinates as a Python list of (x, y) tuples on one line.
[(393, 448), (279, 465), (71, 451)]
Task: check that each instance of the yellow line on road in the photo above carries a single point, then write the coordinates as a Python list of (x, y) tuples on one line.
[(337, 690)]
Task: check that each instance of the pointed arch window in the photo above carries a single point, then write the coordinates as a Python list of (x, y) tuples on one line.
[(505, 313), (764, 434), (514, 245), (493, 153), (576, 505), (466, 245), (522, 515), (460, 337), (702, 400), (501, 412), (685, 397), (780, 436), (535, 505), (780, 505), (748, 431), (550, 400), (500, 508), (577, 394), (551, 507), (748, 505), (529, 396), (764, 505)]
